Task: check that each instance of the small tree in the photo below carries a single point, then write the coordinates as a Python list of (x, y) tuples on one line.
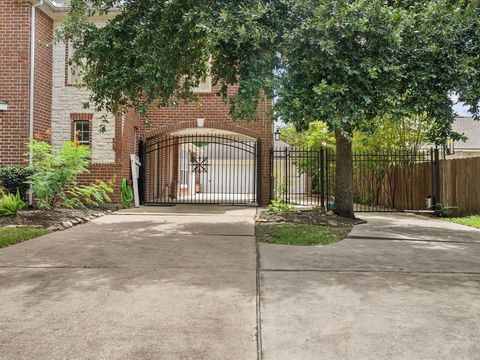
[(54, 179), (349, 77)]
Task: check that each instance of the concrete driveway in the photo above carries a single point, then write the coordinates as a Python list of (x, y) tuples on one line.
[(182, 283), (400, 287), (170, 283)]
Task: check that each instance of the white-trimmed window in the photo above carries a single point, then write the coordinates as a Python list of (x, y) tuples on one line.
[(81, 130)]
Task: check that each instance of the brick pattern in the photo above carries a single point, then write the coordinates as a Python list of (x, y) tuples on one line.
[(43, 72), (216, 115), (14, 80), (104, 172)]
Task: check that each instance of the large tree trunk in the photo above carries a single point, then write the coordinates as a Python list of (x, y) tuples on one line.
[(344, 176)]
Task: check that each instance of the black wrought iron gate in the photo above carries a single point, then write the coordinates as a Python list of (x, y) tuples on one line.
[(382, 181), (200, 169)]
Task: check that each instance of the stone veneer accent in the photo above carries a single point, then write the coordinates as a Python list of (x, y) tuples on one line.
[(67, 100)]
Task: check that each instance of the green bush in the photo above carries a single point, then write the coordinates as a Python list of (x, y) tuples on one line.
[(54, 180), (88, 195), (445, 210), (278, 207), (10, 204), (16, 177)]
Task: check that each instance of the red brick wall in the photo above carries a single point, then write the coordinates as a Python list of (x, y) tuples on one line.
[(14, 78), (105, 172), (216, 115), (125, 143), (126, 140), (42, 114)]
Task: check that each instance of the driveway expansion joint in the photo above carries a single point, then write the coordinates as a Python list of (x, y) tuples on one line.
[(379, 238), (406, 272), (128, 267), (259, 303)]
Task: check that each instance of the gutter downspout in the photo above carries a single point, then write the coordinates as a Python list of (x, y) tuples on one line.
[(33, 16)]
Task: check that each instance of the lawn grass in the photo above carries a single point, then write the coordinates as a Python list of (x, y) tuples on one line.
[(10, 236), (299, 234), (473, 220)]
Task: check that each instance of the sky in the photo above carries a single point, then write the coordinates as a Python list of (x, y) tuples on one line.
[(460, 108)]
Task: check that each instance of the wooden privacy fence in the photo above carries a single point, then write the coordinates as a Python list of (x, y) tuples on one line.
[(406, 186), (396, 181), (382, 181), (460, 184)]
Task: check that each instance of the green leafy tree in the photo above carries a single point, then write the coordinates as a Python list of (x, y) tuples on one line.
[(353, 63), (54, 179), (344, 61), (317, 135)]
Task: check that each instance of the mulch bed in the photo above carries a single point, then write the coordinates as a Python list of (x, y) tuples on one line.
[(308, 217), (47, 218)]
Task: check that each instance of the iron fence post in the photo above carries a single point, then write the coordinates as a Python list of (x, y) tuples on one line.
[(436, 179), (286, 175), (142, 176), (259, 154), (272, 174), (322, 178)]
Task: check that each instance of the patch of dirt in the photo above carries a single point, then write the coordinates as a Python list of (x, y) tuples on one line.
[(46, 218), (308, 217)]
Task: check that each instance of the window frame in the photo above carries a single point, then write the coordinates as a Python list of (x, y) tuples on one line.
[(79, 134), (85, 119)]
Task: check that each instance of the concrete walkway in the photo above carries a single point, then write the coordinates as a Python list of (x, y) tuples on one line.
[(170, 283), (400, 287), (182, 283)]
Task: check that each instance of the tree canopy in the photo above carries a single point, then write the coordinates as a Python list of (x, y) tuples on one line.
[(342, 61), (389, 136), (346, 62)]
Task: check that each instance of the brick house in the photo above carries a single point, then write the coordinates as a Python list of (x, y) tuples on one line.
[(37, 93)]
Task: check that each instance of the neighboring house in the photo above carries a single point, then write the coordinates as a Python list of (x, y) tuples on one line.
[(470, 128), (38, 92)]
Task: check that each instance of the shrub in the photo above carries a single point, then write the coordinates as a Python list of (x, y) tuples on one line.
[(90, 195), (15, 178), (54, 180), (278, 207), (10, 204), (126, 194), (445, 210)]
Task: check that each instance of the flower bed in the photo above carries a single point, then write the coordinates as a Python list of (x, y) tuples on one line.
[(54, 219)]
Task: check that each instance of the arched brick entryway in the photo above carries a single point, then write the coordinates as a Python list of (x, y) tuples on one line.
[(171, 128), (230, 166)]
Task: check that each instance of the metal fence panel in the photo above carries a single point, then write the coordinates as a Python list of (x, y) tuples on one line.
[(382, 181), (200, 169)]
